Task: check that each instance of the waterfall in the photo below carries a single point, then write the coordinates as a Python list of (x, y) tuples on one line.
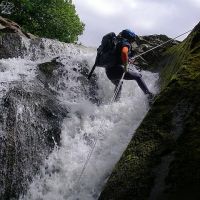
[(111, 125)]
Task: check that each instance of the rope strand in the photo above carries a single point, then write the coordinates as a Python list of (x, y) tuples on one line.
[(161, 44)]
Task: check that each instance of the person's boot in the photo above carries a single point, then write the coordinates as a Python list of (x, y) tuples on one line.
[(150, 97)]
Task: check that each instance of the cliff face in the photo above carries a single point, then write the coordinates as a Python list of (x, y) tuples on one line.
[(163, 158), (145, 43)]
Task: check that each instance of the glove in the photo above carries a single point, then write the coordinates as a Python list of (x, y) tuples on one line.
[(131, 61), (126, 67)]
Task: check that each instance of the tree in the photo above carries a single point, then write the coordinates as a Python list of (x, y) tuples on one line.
[(45, 18)]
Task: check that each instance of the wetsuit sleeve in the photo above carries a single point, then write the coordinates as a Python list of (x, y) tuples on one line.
[(124, 57)]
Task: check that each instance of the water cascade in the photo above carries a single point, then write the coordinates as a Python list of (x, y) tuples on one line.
[(86, 115)]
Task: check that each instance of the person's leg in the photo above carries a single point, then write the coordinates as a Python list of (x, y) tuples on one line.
[(138, 77), (115, 74)]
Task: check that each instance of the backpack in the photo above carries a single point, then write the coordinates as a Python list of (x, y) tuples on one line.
[(106, 51)]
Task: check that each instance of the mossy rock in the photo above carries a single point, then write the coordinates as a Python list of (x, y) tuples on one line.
[(48, 67)]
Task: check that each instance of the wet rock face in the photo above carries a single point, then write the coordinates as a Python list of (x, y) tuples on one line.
[(54, 72), (145, 43), (8, 26), (11, 36), (30, 125), (10, 46), (13, 45)]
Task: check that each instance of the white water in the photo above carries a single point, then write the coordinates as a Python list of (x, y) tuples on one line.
[(116, 123)]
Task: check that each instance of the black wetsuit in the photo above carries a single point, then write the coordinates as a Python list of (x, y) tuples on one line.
[(115, 71)]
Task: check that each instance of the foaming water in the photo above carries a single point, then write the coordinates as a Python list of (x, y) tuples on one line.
[(112, 125), (16, 71)]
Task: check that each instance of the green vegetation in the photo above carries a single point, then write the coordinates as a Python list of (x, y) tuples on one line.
[(56, 19)]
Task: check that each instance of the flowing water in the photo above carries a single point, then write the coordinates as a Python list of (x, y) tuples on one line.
[(110, 125)]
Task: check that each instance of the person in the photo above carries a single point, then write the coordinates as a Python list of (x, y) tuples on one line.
[(115, 70)]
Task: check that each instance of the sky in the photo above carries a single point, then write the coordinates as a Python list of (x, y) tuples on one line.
[(144, 17)]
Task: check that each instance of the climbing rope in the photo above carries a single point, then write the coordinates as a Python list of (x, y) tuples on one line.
[(161, 44), (113, 99), (117, 88)]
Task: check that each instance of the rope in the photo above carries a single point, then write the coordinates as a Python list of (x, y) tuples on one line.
[(161, 44), (118, 88), (113, 99)]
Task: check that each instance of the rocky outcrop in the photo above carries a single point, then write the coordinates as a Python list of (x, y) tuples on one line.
[(162, 160), (8, 26), (11, 36), (13, 41), (53, 71), (143, 44)]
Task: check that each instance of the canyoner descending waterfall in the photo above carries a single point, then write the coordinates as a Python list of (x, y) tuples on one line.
[(88, 111)]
